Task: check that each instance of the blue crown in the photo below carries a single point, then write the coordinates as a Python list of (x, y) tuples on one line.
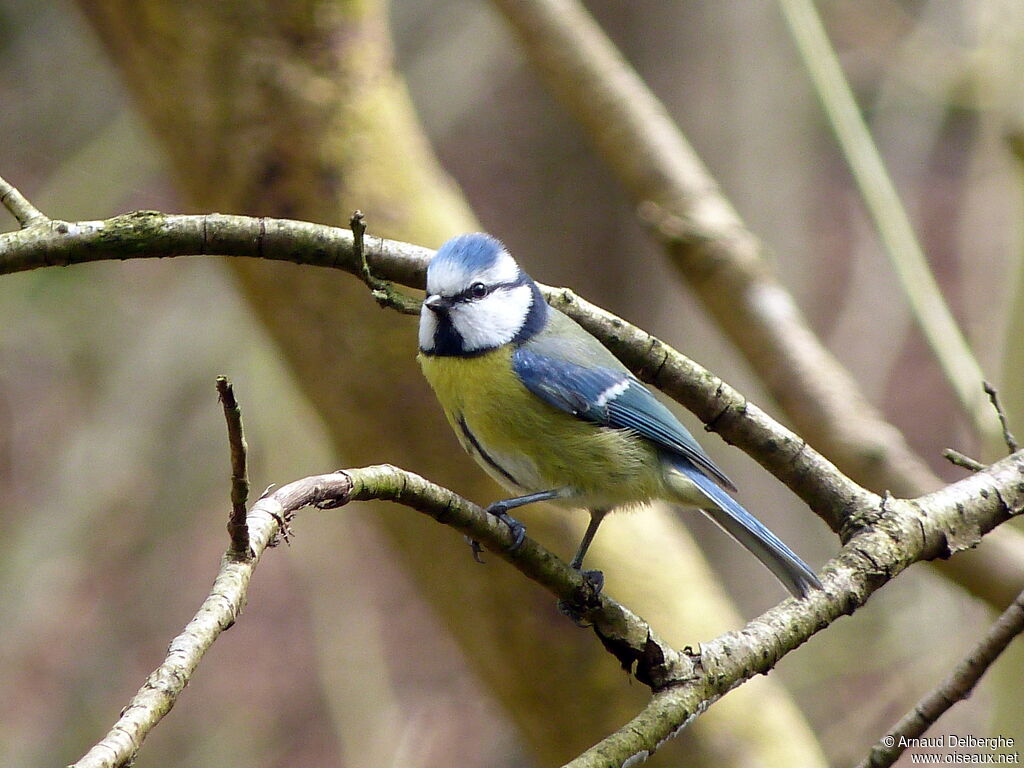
[(470, 253)]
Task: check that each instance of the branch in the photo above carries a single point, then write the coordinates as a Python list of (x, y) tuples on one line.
[(238, 530), (218, 612), (972, 465), (149, 234), (956, 687), (901, 533), (685, 683), (20, 208), (954, 456), (634, 643)]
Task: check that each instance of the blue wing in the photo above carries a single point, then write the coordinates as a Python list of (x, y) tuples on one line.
[(613, 398)]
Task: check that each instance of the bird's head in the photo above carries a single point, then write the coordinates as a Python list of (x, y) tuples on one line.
[(477, 299)]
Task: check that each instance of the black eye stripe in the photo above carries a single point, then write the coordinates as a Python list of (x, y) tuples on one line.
[(469, 295)]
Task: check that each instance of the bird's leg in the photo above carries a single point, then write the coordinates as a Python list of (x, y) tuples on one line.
[(500, 510), (596, 578), (576, 608), (596, 516)]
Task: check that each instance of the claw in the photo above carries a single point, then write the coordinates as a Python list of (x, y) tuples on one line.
[(595, 579), (476, 549), (518, 530)]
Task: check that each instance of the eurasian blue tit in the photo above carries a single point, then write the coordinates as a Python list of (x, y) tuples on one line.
[(553, 416)]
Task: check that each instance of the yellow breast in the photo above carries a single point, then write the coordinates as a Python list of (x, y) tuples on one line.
[(528, 445)]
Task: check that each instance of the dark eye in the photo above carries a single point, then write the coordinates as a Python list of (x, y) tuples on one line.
[(478, 290)]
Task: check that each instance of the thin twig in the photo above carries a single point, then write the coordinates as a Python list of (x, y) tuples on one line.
[(1008, 438), (632, 640), (956, 687), (962, 460), (218, 612), (19, 206), (237, 527), (382, 290), (929, 307)]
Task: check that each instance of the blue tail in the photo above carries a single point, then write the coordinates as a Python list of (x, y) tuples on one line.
[(732, 518)]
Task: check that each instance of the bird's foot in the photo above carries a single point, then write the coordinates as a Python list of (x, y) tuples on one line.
[(585, 599), (500, 510), (595, 579)]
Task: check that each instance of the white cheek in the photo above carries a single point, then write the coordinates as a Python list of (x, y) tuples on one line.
[(428, 327), (494, 320)]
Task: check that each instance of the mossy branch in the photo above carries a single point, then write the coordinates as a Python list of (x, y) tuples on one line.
[(900, 533), (149, 234), (634, 643)]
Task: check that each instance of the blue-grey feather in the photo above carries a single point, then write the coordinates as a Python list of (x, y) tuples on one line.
[(731, 517), (565, 385), (578, 389)]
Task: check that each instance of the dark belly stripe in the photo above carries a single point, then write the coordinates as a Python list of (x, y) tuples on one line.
[(483, 454)]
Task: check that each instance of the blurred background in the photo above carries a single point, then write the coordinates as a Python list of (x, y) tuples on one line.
[(113, 458)]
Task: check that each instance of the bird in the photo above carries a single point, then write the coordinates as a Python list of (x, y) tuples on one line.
[(552, 415)]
